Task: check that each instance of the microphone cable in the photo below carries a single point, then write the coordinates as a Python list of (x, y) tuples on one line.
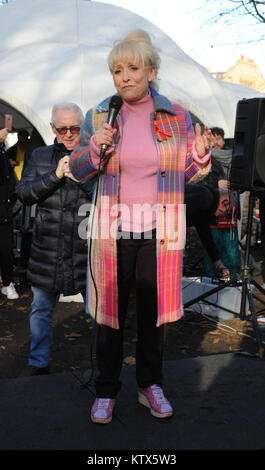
[(92, 276), (89, 380), (114, 108)]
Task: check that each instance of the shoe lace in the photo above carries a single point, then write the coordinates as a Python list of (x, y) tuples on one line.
[(158, 393), (103, 403)]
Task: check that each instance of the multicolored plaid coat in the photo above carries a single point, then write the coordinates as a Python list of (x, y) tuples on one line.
[(174, 137)]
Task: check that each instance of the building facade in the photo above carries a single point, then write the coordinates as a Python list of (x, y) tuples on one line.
[(243, 72)]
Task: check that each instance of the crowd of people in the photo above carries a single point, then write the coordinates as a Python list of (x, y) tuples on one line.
[(153, 158)]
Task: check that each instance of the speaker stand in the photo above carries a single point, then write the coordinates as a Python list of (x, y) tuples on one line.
[(245, 282)]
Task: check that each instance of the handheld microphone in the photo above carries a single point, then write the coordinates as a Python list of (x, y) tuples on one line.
[(114, 108)]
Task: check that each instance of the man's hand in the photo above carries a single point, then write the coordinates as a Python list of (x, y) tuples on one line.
[(223, 271), (62, 167), (69, 175), (3, 134), (224, 184)]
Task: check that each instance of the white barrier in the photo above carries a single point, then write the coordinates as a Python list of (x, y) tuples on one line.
[(227, 297), (71, 298)]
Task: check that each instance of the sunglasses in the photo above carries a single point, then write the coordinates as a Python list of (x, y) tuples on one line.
[(73, 129)]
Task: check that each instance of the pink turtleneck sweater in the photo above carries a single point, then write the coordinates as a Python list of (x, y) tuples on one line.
[(138, 167)]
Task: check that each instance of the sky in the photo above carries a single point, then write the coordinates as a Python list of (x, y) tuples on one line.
[(216, 47)]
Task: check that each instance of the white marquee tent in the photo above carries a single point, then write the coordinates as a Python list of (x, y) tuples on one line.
[(56, 50)]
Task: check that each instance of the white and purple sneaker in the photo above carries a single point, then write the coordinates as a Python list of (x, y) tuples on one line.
[(102, 410), (153, 397)]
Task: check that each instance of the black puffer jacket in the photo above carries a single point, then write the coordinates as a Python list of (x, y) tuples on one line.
[(58, 257), (7, 188)]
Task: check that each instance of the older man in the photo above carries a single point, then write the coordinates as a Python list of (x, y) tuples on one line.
[(58, 257)]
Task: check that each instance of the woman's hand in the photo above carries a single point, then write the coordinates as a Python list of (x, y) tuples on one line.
[(104, 135), (202, 141)]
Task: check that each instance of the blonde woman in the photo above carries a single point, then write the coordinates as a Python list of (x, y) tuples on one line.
[(151, 150)]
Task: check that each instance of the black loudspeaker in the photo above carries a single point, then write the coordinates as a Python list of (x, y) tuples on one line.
[(248, 158)]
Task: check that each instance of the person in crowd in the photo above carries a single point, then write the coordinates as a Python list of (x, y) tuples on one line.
[(151, 150), (203, 202), (58, 256), (18, 153), (23, 220), (7, 200), (223, 228), (261, 198)]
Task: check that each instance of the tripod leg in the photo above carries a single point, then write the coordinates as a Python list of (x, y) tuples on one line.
[(256, 284), (243, 300), (254, 319), (245, 271)]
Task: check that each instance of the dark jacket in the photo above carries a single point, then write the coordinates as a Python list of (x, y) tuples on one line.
[(58, 257), (216, 173), (7, 188)]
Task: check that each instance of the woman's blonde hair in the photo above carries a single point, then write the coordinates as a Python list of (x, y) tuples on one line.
[(137, 47)]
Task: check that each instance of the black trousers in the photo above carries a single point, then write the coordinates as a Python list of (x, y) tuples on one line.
[(6, 253), (136, 258), (261, 196), (201, 202)]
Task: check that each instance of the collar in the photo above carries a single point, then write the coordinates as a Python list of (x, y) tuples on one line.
[(60, 148), (161, 103)]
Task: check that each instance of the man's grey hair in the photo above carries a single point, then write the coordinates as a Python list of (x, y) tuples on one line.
[(67, 105)]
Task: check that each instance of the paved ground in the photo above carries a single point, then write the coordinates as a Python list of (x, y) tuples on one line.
[(218, 405), (218, 398)]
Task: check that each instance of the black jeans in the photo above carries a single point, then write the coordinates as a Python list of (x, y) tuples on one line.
[(135, 258), (6, 253), (261, 196)]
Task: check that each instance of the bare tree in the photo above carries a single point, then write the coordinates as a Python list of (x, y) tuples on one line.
[(247, 15), (256, 9), (234, 9)]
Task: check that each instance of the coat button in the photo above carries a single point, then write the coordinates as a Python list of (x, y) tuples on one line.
[(163, 174), (162, 242)]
